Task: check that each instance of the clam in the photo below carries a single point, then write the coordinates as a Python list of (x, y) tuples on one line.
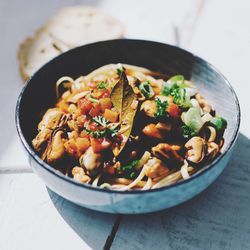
[(156, 169), (149, 107), (55, 148), (195, 149), (80, 175), (168, 152), (212, 150), (212, 134), (52, 119), (90, 160)]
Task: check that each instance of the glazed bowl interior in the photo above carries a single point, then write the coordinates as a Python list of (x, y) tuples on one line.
[(39, 93)]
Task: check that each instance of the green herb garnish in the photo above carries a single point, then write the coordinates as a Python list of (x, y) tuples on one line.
[(100, 120), (188, 132), (179, 95), (101, 85), (161, 107), (108, 131), (146, 89), (132, 175), (120, 69), (128, 171), (97, 133), (176, 87)]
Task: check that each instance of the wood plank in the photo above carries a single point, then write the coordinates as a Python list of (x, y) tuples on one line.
[(31, 217), (216, 219)]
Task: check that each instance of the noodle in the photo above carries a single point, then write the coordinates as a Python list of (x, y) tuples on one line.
[(135, 182), (105, 185), (69, 82), (96, 180), (148, 184), (143, 160), (170, 179), (184, 171)]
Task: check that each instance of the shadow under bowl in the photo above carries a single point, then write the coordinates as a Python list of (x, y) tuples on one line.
[(39, 94)]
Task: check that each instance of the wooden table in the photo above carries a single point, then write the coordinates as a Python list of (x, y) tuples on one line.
[(32, 217)]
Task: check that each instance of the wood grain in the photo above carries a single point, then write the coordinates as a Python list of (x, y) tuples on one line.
[(32, 217)]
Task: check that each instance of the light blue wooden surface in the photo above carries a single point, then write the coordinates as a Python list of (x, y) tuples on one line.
[(219, 218)]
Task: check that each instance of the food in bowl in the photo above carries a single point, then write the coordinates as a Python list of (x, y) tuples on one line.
[(125, 127)]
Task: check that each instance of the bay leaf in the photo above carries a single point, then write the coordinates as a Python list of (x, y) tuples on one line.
[(122, 97), (116, 96)]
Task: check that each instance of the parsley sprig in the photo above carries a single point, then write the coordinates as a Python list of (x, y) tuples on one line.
[(108, 130), (100, 120)]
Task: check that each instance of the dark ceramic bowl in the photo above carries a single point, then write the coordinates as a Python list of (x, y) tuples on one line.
[(39, 94)]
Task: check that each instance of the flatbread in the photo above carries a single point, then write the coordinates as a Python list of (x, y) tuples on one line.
[(70, 27)]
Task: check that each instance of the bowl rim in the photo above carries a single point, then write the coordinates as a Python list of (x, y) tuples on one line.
[(58, 174)]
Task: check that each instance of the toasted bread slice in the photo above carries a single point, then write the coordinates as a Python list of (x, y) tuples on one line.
[(69, 28)]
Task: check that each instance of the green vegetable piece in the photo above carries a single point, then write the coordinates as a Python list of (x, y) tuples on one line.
[(166, 90), (177, 79), (128, 171), (192, 118), (175, 87), (219, 123), (132, 175), (146, 89), (161, 108), (122, 97), (188, 132), (101, 85)]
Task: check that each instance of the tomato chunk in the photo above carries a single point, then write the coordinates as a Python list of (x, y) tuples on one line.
[(111, 115), (96, 144), (173, 110), (85, 105), (105, 104), (95, 109)]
